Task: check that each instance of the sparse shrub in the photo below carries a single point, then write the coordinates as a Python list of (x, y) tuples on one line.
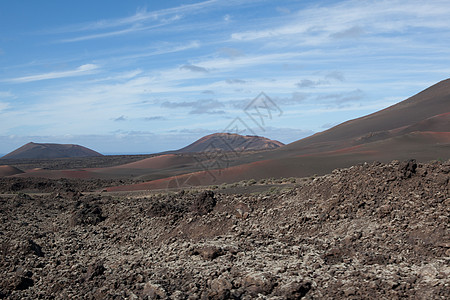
[(273, 190), (251, 182)]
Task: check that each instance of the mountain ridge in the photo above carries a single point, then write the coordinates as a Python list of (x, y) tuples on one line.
[(223, 141), (50, 150)]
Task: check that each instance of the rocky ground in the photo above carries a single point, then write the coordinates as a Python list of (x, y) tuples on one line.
[(377, 231)]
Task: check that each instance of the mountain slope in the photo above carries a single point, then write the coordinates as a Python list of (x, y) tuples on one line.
[(9, 170), (230, 142), (430, 103), (49, 151), (418, 127)]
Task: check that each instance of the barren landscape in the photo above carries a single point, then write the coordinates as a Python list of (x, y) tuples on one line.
[(346, 213), (225, 149), (374, 230)]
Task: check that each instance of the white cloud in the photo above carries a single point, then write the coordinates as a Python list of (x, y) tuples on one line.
[(138, 18), (3, 106), (353, 18), (132, 29), (120, 76), (194, 68), (7, 95), (162, 50), (81, 70)]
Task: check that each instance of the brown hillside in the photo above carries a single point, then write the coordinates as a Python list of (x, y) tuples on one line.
[(46, 151), (230, 142)]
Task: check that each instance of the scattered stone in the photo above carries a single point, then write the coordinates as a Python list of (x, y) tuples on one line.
[(352, 234), (22, 283), (35, 248), (208, 252), (220, 289), (204, 203), (154, 291), (408, 168), (258, 283), (95, 270), (87, 214), (242, 210), (295, 290)]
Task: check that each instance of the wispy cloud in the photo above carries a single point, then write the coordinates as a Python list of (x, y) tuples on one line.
[(350, 19), (231, 52), (307, 83), (208, 106), (81, 70), (7, 95), (3, 106), (140, 17), (194, 68), (120, 119), (352, 32), (161, 50), (235, 80), (142, 20), (336, 75), (184, 63), (107, 34), (134, 28), (341, 98), (155, 118)]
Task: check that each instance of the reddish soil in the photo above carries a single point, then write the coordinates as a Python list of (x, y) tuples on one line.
[(9, 171)]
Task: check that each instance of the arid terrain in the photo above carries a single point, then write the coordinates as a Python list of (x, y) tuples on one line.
[(343, 214), (378, 231), (417, 127), (213, 150)]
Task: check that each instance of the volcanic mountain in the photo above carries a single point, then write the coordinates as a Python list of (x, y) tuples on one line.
[(427, 111), (418, 127), (230, 142), (49, 151)]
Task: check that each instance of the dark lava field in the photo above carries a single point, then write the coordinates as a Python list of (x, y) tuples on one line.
[(372, 231)]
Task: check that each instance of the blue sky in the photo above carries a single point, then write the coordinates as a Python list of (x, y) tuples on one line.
[(149, 76)]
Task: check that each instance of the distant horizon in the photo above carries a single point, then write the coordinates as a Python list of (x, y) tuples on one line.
[(114, 153), (155, 76)]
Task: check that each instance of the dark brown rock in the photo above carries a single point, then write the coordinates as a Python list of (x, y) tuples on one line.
[(220, 289), (204, 203), (295, 290), (95, 270), (258, 283), (208, 252)]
